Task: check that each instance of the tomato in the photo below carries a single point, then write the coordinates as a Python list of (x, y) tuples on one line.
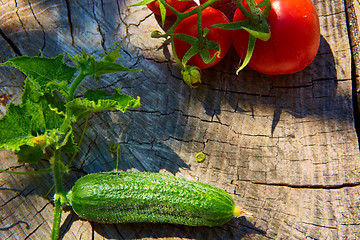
[(210, 16), (294, 41), (178, 5), (217, 3), (226, 6)]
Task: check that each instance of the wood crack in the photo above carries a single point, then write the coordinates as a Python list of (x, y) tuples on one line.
[(19, 18), (71, 29), (352, 26), (17, 195), (309, 186), (12, 45), (99, 29), (41, 26), (29, 235), (318, 225)]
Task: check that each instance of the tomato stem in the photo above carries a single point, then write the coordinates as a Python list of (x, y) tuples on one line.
[(181, 16), (191, 74), (256, 25)]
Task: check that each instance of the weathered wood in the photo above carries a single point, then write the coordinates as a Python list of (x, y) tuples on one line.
[(285, 147)]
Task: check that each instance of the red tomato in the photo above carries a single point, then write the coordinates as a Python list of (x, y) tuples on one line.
[(178, 5), (228, 7), (210, 16), (215, 4), (294, 41)]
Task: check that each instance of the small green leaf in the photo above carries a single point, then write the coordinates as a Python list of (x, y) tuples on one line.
[(162, 13), (30, 154), (50, 73), (249, 52), (266, 11), (194, 41), (66, 142), (197, 49), (189, 54), (113, 54), (89, 66), (260, 31), (98, 100), (205, 55), (144, 2)]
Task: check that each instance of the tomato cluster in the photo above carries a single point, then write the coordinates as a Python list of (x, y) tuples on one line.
[(293, 44)]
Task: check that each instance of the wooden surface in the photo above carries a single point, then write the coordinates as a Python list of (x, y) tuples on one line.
[(285, 147)]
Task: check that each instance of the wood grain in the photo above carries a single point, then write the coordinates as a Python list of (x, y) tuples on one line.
[(285, 147)]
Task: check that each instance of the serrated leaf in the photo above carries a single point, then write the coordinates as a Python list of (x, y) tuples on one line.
[(113, 54), (30, 154), (24, 123), (16, 128), (91, 67), (70, 146), (98, 100), (50, 73)]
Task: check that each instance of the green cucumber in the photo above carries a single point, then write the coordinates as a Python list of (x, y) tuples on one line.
[(118, 197)]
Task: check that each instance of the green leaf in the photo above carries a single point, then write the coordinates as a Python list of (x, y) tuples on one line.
[(30, 154), (194, 41), (113, 54), (91, 67), (162, 13), (189, 54), (70, 145), (197, 48), (144, 2), (50, 73), (29, 122), (98, 100), (16, 128), (260, 31), (249, 52)]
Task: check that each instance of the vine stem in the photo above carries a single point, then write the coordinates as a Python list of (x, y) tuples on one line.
[(58, 195), (48, 170), (74, 86), (80, 140)]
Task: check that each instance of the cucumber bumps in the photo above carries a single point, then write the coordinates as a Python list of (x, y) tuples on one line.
[(118, 197)]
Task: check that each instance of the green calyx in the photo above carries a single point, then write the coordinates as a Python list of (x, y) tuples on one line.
[(191, 75), (199, 44), (256, 25)]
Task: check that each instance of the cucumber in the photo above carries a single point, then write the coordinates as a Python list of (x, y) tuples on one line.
[(118, 197)]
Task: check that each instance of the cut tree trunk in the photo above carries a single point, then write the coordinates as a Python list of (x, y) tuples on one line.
[(285, 147)]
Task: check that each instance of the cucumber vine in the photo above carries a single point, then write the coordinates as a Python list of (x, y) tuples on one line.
[(42, 124)]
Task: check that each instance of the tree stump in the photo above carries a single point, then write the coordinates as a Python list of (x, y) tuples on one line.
[(285, 147)]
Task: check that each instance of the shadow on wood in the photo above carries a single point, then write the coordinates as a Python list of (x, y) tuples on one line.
[(235, 229), (310, 92)]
